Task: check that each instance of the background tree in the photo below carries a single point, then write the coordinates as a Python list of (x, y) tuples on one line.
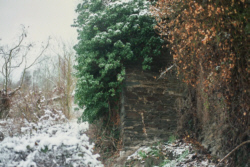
[(27, 81), (13, 58), (53, 77), (65, 82)]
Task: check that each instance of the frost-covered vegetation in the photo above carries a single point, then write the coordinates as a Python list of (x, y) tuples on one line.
[(170, 154), (111, 35), (38, 126), (52, 141)]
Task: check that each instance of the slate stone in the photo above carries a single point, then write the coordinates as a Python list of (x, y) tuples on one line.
[(148, 106)]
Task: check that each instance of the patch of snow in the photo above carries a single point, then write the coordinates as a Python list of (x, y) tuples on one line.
[(144, 12), (49, 144), (175, 154)]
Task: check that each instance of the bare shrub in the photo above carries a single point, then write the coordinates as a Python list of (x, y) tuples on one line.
[(27, 111)]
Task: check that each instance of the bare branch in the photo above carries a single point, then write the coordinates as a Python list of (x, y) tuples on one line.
[(248, 141), (14, 91), (15, 57), (38, 55), (26, 68), (164, 72), (18, 65), (51, 81), (18, 45)]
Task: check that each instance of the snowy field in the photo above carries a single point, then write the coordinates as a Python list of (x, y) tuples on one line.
[(53, 141)]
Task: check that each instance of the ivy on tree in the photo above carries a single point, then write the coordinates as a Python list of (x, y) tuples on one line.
[(110, 36)]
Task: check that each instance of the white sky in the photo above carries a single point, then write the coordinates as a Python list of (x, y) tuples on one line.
[(42, 18)]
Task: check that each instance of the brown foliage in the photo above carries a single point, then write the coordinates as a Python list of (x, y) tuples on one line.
[(210, 44)]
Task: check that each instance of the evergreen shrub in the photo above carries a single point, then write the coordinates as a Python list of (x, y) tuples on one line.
[(110, 35)]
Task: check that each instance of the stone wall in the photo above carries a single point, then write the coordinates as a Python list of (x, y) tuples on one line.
[(148, 111), (152, 110)]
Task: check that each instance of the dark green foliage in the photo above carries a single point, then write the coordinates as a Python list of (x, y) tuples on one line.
[(110, 36), (45, 149)]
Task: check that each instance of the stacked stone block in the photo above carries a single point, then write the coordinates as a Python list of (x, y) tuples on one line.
[(148, 107)]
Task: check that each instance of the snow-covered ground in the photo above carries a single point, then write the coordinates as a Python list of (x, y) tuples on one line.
[(53, 141), (173, 154)]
